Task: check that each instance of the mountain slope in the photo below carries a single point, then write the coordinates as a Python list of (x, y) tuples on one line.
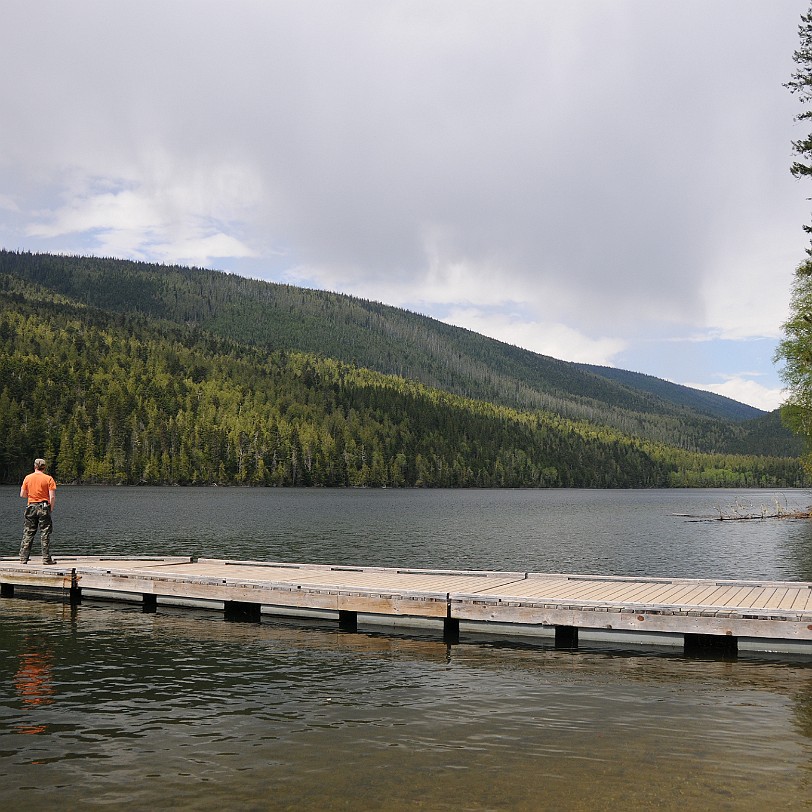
[(125, 398), (393, 341), (698, 400)]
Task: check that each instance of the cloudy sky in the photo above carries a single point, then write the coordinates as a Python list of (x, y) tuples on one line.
[(598, 180)]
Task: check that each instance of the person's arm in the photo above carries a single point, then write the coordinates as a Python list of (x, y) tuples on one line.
[(24, 491), (52, 497)]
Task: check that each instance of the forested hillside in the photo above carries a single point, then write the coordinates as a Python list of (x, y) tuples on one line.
[(126, 373), (700, 401), (394, 341)]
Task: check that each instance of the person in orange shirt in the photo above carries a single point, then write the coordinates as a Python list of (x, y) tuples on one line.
[(40, 490)]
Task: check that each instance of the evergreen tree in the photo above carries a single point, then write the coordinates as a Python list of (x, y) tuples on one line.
[(795, 350)]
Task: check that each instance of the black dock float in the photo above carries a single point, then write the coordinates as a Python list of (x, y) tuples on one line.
[(242, 612), (703, 645), (566, 637), (347, 621)]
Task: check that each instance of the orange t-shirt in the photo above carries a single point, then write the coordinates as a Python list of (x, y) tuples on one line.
[(37, 485)]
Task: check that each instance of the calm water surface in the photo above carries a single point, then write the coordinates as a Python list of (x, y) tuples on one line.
[(101, 705)]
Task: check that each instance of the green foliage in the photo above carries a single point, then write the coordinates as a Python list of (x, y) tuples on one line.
[(129, 398), (800, 85), (705, 403), (395, 342), (767, 431), (796, 348)]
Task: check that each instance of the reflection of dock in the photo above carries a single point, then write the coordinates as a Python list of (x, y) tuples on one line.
[(727, 615)]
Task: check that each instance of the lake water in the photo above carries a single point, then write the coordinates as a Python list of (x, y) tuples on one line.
[(102, 705)]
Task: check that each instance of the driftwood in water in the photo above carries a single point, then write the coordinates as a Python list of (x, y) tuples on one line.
[(744, 513), (800, 514)]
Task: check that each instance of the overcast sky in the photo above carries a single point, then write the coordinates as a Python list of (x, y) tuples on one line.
[(605, 182)]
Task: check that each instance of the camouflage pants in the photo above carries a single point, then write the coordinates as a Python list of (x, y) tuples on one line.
[(37, 516)]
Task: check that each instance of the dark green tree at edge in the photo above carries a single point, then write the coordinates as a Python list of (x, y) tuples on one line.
[(795, 350)]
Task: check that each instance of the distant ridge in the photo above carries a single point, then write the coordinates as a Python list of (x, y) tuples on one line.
[(699, 400)]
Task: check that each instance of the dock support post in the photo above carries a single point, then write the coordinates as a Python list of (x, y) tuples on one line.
[(713, 645), (347, 620), (566, 637), (242, 612), (451, 630), (75, 596), (6, 590), (150, 603), (75, 590)]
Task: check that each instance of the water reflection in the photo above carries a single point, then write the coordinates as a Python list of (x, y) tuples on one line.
[(34, 684), (803, 709), (798, 545), (140, 709), (180, 707)]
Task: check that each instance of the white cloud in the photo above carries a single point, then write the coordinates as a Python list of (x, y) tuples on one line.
[(8, 203), (556, 340), (123, 211), (745, 390), (747, 290), (608, 170), (201, 250), (160, 217)]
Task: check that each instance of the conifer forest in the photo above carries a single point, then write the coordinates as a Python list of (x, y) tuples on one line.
[(127, 373)]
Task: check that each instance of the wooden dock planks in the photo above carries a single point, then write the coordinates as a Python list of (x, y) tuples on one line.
[(349, 589), (775, 610)]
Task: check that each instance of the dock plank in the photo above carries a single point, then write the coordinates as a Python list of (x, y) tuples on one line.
[(775, 599), (762, 600), (789, 599), (801, 599), (694, 594)]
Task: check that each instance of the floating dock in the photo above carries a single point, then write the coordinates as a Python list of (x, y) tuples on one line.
[(728, 616)]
